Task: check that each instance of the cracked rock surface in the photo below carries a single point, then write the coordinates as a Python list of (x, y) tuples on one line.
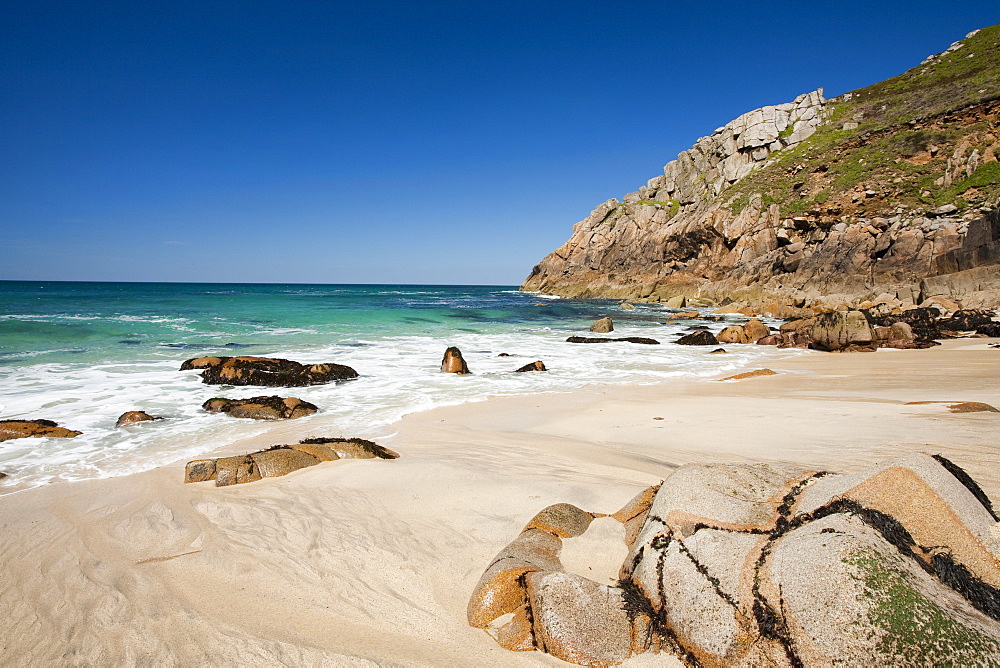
[(765, 564)]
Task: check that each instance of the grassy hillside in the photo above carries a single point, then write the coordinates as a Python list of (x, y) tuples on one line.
[(900, 145)]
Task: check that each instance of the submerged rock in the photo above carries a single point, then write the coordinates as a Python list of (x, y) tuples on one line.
[(699, 338), (261, 408), (453, 362), (280, 460), (10, 429), (534, 366), (266, 371), (131, 417), (763, 564)]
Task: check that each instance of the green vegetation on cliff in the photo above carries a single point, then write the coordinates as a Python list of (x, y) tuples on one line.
[(922, 139)]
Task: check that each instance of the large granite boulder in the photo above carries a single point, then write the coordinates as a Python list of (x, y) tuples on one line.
[(280, 460), (266, 371), (766, 564), (453, 362), (734, 334), (10, 429), (842, 330), (261, 408)]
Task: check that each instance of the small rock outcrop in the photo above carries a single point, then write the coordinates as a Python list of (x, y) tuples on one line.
[(10, 429), (132, 417), (765, 564), (261, 408), (453, 362), (281, 460), (266, 371), (603, 326), (624, 339)]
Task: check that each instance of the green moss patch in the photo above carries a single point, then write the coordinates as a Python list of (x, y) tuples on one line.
[(916, 630)]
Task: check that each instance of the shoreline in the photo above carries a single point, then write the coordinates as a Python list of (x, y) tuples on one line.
[(369, 562)]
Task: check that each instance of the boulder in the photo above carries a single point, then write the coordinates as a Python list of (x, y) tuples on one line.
[(10, 429), (734, 334), (202, 363), (842, 330), (453, 362), (199, 470), (534, 366), (131, 417), (603, 326), (266, 371), (766, 564), (280, 460), (235, 470), (756, 329), (676, 302), (699, 338), (261, 408), (900, 335), (626, 306)]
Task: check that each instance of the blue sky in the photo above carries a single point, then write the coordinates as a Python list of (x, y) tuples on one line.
[(385, 142)]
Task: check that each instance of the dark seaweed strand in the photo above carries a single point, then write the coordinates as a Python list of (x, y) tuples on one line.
[(770, 624), (661, 543), (712, 580), (522, 580), (785, 507), (981, 595), (968, 482), (635, 602)]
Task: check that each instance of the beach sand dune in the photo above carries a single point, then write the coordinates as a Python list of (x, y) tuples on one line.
[(371, 562)]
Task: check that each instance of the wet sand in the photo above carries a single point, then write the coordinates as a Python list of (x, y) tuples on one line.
[(371, 562)]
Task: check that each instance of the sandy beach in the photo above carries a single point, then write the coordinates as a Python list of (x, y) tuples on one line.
[(371, 562)]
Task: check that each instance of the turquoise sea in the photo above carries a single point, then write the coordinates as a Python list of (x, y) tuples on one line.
[(83, 353)]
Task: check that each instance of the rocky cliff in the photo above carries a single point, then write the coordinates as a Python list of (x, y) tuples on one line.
[(889, 189)]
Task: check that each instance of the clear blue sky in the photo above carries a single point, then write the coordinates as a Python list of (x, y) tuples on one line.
[(380, 142)]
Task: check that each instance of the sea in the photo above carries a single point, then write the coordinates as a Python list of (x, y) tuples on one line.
[(82, 354)]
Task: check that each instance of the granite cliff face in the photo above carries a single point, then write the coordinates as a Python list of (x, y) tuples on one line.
[(889, 189)]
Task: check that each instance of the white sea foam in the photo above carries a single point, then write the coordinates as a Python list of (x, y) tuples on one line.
[(399, 375)]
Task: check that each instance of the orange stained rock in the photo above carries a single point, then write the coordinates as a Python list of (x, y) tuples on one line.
[(751, 374)]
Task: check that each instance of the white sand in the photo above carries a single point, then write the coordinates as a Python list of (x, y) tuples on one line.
[(372, 562)]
